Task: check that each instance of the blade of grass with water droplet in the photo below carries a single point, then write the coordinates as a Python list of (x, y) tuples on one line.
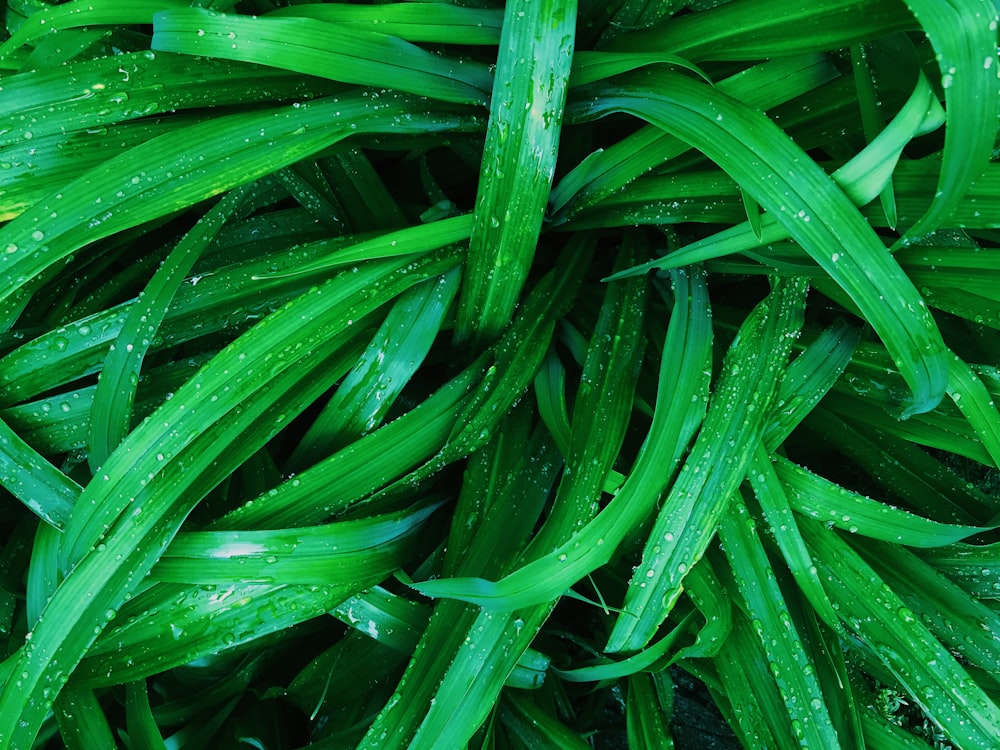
[(844, 699), (40, 486), (362, 191), (210, 301), (818, 498), (456, 647), (964, 36), (601, 413), (940, 429), (81, 719), (304, 183), (649, 707), (550, 393), (184, 624), (52, 51), (61, 423), (796, 189), (457, 420), (871, 118), (603, 405), (789, 662), (328, 685), (530, 671), (346, 552), (388, 618), (327, 50), (682, 390), (746, 692), (83, 101), (862, 179), (111, 411), (41, 165), (535, 726), (521, 349), (364, 397), (605, 171), (128, 191), (960, 281), (976, 404), (879, 732), (777, 511), (752, 209), (971, 566), (518, 164), (650, 659), (82, 13), (910, 473), (357, 470), (139, 719), (715, 467), (595, 66), (897, 637), (74, 350), (961, 622), (410, 241), (313, 329), (163, 458), (43, 571), (808, 379), (706, 592), (195, 698)]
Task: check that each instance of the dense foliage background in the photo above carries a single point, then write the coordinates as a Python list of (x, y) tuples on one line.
[(429, 375)]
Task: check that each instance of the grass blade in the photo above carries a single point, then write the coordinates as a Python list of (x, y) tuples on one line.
[(127, 191), (964, 36), (43, 489), (757, 29), (522, 141), (680, 409), (364, 397), (813, 496), (715, 467), (81, 719), (414, 22), (111, 411), (332, 51), (894, 634), (647, 711), (789, 662), (820, 218), (139, 718)]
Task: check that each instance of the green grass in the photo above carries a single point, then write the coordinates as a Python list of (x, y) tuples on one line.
[(418, 375)]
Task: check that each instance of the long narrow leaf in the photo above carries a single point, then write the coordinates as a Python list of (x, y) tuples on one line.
[(327, 50), (526, 111), (814, 212), (715, 467)]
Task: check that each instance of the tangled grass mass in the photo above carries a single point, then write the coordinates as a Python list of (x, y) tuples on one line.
[(480, 375)]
